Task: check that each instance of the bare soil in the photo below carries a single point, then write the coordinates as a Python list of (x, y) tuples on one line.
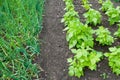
[(54, 47)]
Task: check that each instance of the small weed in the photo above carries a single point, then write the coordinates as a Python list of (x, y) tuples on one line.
[(104, 76)]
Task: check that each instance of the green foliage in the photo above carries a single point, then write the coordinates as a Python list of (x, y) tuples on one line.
[(78, 35), (69, 16), (114, 15), (86, 4), (69, 5), (80, 38), (114, 59), (20, 23), (117, 33), (81, 41), (103, 36), (85, 1), (106, 5), (83, 58), (100, 1), (92, 17), (117, 0)]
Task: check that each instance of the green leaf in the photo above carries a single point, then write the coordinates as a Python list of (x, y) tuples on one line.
[(113, 15), (71, 72), (72, 44), (66, 29), (92, 67), (69, 60), (69, 36), (112, 49), (74, 51)]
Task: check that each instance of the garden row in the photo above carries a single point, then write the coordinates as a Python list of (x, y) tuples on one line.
[(20, 24), (81, 37)]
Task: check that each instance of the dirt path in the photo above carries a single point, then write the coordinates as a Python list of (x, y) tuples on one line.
[(54, 48), (54, 45)]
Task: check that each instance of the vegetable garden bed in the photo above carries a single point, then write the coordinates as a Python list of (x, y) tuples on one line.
[(55, 50), (20, 24)]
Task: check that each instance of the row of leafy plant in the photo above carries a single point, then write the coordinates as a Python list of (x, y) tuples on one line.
[(114, 18), (81, 40), (20, 24)]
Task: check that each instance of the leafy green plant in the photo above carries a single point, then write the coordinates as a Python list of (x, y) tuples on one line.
[(92, 17), (80, 38), (20, 23), (106, 5), (114, 15), (103, 36), (86, 4), (100, 1), (117, 33), (79, 35), (69, 16), (114, 59), (83, 58)]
